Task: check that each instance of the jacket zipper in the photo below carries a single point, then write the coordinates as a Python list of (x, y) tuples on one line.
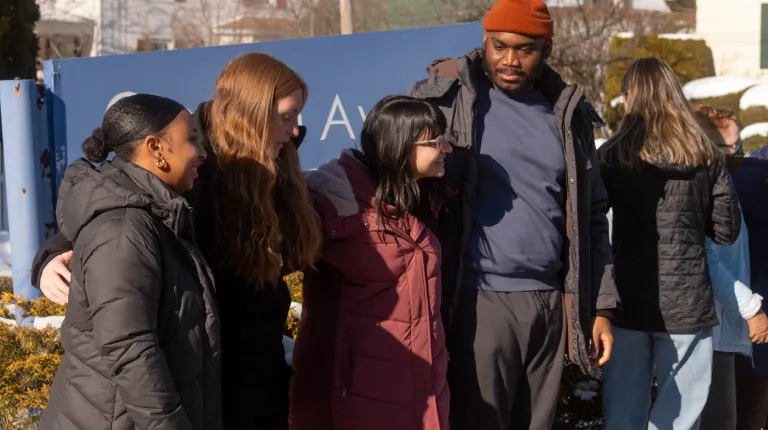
[(579, 337), (346, 372)]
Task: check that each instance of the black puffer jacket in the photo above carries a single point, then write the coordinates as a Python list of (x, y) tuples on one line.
[(661, 217), (141, 333)]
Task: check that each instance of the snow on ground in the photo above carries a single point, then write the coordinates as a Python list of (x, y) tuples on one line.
[(755, 96), (680, 36), (296, 310), (43, 322), (761, 129), (716, 86), (37, 322), (617, 101)]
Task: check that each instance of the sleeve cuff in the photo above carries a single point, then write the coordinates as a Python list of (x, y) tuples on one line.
[(610, 314), (753, 307)]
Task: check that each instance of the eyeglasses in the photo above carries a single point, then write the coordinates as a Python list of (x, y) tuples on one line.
[(436, 143), (735, 146)]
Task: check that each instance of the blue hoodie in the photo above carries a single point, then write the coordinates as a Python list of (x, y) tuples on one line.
[(729, 270)]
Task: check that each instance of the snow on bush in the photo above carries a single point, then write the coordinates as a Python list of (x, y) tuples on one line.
[(759, 129), (680, 36), (754, 136), (716, 86), (671, 36), (755, 96), (753, 105)]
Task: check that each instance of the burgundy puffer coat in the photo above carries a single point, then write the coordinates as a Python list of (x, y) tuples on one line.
[(371, 349)]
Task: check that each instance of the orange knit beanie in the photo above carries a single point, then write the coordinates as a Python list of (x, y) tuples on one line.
[(526, 17)]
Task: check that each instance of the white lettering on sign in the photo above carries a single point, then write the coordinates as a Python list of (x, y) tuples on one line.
[(301, 121), (362, 112), (343, 121)]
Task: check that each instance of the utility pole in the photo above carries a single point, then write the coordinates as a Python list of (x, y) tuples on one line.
[(345, 11)]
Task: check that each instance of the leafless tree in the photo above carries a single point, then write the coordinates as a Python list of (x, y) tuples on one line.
[(196, 23), (583, 34)]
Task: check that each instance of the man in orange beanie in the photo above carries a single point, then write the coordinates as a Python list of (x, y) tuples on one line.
[(528, 263)]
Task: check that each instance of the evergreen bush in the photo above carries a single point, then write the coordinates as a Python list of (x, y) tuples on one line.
[(29, 358), (753, 115)]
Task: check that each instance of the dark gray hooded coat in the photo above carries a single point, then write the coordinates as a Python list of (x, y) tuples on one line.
[(141, 333)]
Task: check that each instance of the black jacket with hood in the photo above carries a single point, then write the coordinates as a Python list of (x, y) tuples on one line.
[(661, 217), (255, 375), (588, 269), (141, 334)]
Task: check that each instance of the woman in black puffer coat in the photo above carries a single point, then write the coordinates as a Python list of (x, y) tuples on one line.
[(141, 334), (669, 189)]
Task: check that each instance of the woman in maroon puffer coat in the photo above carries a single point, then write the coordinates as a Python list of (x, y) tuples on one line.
[(371, 348)]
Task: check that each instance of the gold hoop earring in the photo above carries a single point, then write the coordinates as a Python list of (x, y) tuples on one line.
[(161, 163)]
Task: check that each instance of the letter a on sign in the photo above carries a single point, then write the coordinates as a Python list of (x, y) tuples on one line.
[(343, 121)]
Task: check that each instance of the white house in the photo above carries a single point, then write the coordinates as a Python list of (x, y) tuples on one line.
[(62, 34), (125, 26), (737, 33)]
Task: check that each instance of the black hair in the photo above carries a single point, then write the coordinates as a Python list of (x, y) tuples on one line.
[(389, 132), (129, 121)]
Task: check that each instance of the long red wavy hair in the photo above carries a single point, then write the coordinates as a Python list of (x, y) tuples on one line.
[(266, 224)]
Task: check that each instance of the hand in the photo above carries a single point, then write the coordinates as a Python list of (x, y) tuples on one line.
[(54, 281), (758, 328), (602, 341)]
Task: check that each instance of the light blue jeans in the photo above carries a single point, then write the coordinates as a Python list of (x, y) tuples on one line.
[(682, 364)]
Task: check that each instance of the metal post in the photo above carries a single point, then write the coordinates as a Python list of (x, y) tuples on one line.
[(28, 185)]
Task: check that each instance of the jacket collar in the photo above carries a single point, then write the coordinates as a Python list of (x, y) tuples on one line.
[(167, 205), (444, 73)]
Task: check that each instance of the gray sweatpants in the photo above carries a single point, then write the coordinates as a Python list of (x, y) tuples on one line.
[(506, 360)]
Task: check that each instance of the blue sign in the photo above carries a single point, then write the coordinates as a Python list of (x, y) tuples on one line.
[(346, 75)]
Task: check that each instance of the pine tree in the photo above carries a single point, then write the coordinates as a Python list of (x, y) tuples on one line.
[(18, 42)]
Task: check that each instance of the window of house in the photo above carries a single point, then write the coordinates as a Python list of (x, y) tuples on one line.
[(159, 44), (150, 44)]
